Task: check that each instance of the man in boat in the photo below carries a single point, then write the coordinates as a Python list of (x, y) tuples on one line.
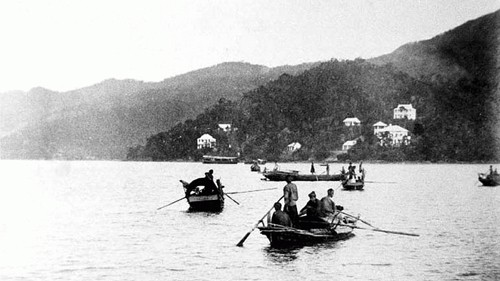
[(210, 186), (327, 207), (311, 209), (291, 196), (280, 217)]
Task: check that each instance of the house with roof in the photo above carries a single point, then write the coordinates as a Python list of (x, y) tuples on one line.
[(352, 121), (225, 127), (294, 146), (397, 134), (377, 127), (348, 144), (206, 140), (403, 111)]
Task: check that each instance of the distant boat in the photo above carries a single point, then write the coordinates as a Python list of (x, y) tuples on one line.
[(208, 159), (492, 178), (203, 195), (353, 181), (277, 175)]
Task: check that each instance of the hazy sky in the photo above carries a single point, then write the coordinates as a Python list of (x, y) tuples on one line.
[(65, 44)]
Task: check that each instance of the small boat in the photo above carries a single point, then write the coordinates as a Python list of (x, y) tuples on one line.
[(203, 195), (489, 179), (209, 159), (353, 184), (277, 175), (284, 236), (353, 181)]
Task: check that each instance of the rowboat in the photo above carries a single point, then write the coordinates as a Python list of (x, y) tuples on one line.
[(203, 195), (209, 159), (489, 179), (255, 167), (277, 175), (285, 236), (352, 184)]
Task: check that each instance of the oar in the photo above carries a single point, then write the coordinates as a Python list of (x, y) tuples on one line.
[(171, 203), (367, 223), (237, 192), (231, 198), (380, 181), (240, 244), (381, 230)]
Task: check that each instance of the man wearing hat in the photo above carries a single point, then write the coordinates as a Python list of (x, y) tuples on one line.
[(311, 209)]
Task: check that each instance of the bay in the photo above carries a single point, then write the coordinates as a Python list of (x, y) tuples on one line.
[(98, 220)]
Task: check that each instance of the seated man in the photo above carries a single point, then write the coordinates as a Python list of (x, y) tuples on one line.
[(311, 209), (327, 207), (280, 217)]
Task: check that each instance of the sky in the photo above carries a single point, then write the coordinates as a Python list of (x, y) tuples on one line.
[(63, 45)]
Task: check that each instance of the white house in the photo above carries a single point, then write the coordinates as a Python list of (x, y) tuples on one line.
[(405, 111), (348, 144), (206, 141), (397, 134), (225, 127), (352, 122), (377, 127), (294, 146)]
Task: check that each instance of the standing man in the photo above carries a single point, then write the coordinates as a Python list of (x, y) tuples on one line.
[(291, 196)]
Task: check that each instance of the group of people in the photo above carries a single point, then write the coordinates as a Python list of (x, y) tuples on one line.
[(324, 209), (207, 183)]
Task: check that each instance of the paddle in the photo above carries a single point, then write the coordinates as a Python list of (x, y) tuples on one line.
[(381, 230), (231, 198), (358, 219), (240, 244), (171, 203), (237, 192)]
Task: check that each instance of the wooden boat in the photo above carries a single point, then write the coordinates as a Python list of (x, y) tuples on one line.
[(489, 179), (284, 236), (353, 181), (208, 159), (277, 175), (202, 195)]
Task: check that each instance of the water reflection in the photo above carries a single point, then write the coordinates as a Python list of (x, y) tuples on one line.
[(282, 255)]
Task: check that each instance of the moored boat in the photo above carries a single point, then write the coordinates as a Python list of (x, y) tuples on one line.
[(277, 175), (203, 195), (209, 159)]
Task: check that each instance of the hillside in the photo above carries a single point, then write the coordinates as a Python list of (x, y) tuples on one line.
[(102, 120), (449, 79)]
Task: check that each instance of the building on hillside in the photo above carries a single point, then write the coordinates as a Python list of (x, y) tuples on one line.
[(348, 145), (206, 140), (377, 127), (225, 127), (397, 135), (294, 146), (352, 122), (403, 111)]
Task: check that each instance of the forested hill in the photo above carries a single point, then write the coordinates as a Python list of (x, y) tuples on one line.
[(101, 121), (449, 79)]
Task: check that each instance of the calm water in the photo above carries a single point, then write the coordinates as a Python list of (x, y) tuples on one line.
[(99, 221)]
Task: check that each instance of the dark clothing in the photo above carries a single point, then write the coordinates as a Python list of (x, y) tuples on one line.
[(312, 208), (281, 218), (292, 212)]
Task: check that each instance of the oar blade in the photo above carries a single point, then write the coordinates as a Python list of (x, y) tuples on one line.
[(240, 244)]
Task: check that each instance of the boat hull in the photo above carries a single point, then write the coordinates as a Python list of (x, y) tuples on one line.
[(359, 185), (282, 176), (206, 203), (289, 237), (489, 180)]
